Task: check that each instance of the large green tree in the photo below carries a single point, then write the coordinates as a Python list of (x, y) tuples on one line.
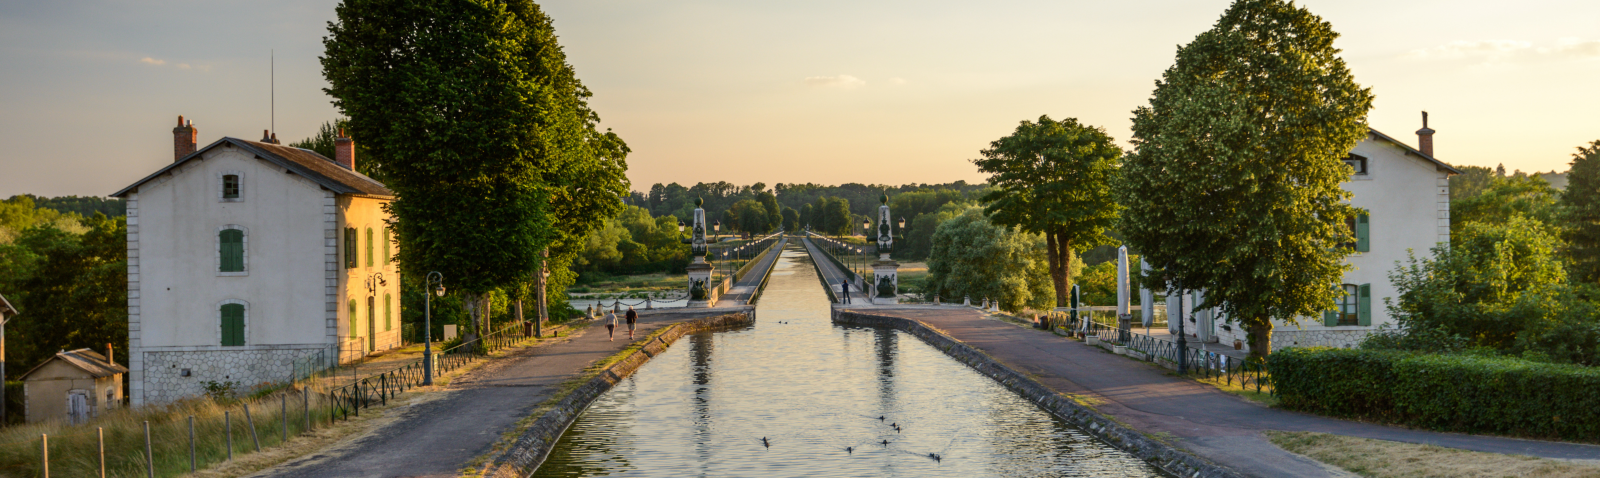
[(71, 289), (1580, 209), (1233, 186), (480, 129), (1054, 178), (975, 258)]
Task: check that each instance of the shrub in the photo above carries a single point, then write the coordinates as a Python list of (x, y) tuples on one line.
[(1459, 393)]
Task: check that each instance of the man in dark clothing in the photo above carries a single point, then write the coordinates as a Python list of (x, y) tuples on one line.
[(845, 285), (633, 318)]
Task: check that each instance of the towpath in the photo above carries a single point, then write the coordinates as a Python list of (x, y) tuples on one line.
[(1212, 424), (438, 436)]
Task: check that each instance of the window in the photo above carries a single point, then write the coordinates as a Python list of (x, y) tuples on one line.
[(232, 325), (1353, 307), (1357, 163), (230, 186), (353, 319), (387, 259), (1348, 312), (388, 313), (350, 248), (369, 247), (230, 249)]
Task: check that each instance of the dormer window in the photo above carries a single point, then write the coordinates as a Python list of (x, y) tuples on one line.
[(1357, 163)]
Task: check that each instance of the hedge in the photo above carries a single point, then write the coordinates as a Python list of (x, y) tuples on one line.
[(1468, 394)]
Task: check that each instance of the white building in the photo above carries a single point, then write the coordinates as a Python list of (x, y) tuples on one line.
[(248, 259), (1406, 193)]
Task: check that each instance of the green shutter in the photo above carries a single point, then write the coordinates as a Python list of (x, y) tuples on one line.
[(232, 250), (350, 248), (388, 316), (232, 324), (369, 247), (1364, 304), (386, 257), (352, 318), (1331, 317), (1363, 234)]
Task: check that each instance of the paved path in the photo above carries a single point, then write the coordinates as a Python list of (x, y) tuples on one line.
[(437, 437), (745, 288), (831, 274), (1218, 426)]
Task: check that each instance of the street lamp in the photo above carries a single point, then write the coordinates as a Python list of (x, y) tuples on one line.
[(7, 312), (434, 286), (866, 225), (1183, 343)]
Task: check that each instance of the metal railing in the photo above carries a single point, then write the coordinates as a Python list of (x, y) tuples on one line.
[(1199, 361), (378, 389)]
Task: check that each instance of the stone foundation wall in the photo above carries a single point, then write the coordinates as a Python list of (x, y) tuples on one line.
[(1160, 454), (1282, 339), (163, 373)]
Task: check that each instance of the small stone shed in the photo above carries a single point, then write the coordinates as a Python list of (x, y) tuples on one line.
[(73, 385)]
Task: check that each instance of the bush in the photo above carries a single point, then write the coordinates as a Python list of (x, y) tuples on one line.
[(1458, 393)]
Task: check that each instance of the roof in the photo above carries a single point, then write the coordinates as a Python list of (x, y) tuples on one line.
[(89, 361), (1411, 150), (313, 166), (6, 310)]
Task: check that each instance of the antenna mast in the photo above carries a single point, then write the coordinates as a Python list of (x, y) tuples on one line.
[(272, 84)]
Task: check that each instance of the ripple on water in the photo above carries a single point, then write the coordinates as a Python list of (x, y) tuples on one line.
[(812, 389)]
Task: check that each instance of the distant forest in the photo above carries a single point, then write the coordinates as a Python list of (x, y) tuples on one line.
[(676, 200), (84, 206)]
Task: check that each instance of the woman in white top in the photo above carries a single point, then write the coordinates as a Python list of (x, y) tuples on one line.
[(611, 325)]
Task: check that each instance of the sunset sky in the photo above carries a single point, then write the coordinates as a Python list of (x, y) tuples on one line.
[(822, 91)]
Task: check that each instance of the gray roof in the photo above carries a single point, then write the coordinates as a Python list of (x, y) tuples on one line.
[(313, 166), (1411, 150), (6, 310), (87, 360)]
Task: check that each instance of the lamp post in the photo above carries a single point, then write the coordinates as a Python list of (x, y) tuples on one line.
[(434, 285), (374, 281), (1183, 343)]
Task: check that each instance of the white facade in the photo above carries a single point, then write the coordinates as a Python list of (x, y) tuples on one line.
[(1406, 194), (294, 284)]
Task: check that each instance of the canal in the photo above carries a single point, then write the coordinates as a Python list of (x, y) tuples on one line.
[(815, 392)]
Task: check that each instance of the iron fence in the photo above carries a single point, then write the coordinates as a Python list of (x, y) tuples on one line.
[(378, 389), (1198, 361)]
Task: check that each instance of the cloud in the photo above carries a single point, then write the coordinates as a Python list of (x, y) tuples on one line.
[(838, 81), (1509, 51), (897, 81), (152, 61), (181, 66)]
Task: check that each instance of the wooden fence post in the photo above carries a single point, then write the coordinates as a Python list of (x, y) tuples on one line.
[(251, 422), (149, 454)]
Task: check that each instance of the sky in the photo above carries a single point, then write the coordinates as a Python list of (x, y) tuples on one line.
[(830, 92)]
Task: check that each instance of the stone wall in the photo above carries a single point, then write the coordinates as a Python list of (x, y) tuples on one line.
[(164, 381), (1162, 455), (1282, 339), (533, 445)]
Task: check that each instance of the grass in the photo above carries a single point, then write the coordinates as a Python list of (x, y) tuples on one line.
[(1237, 387), (1387, 459), (626, 284), (74, 449)]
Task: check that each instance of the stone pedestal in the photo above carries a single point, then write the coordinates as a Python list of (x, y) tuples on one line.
[(700, 277), (885, 280)]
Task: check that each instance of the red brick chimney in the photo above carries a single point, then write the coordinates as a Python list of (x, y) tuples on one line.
[(344, 151), (183, 139), (1425, 137)]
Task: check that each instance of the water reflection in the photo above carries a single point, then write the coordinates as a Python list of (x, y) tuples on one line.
[(813, 390)]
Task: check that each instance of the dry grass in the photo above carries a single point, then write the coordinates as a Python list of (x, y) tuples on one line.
[(1237, 387), (1379, 458)]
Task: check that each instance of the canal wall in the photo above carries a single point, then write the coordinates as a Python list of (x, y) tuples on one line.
[(1163, 455), (533, 444)]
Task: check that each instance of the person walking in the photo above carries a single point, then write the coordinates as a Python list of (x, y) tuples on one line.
[(844, 284), (633, 321), (611, 325)]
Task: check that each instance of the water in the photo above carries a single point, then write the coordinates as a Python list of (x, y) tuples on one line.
[(812, 389)]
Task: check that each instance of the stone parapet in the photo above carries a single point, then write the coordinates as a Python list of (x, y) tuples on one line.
[(163, 370), (1282, 339)]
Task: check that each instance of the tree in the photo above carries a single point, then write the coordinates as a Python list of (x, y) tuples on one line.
[(975, 258), (1504, 197), (1233, 186), (1054, 178), (751, 216), (791, 219), (1580, 209), (769, 204), (71, 287), (836, 216), (461, 106), (807, 216)]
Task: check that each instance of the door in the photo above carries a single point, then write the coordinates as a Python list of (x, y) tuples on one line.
[(78, 407), (372, 324)]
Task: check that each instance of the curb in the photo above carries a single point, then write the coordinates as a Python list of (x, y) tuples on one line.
[(531, 448), (1162, 455)]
